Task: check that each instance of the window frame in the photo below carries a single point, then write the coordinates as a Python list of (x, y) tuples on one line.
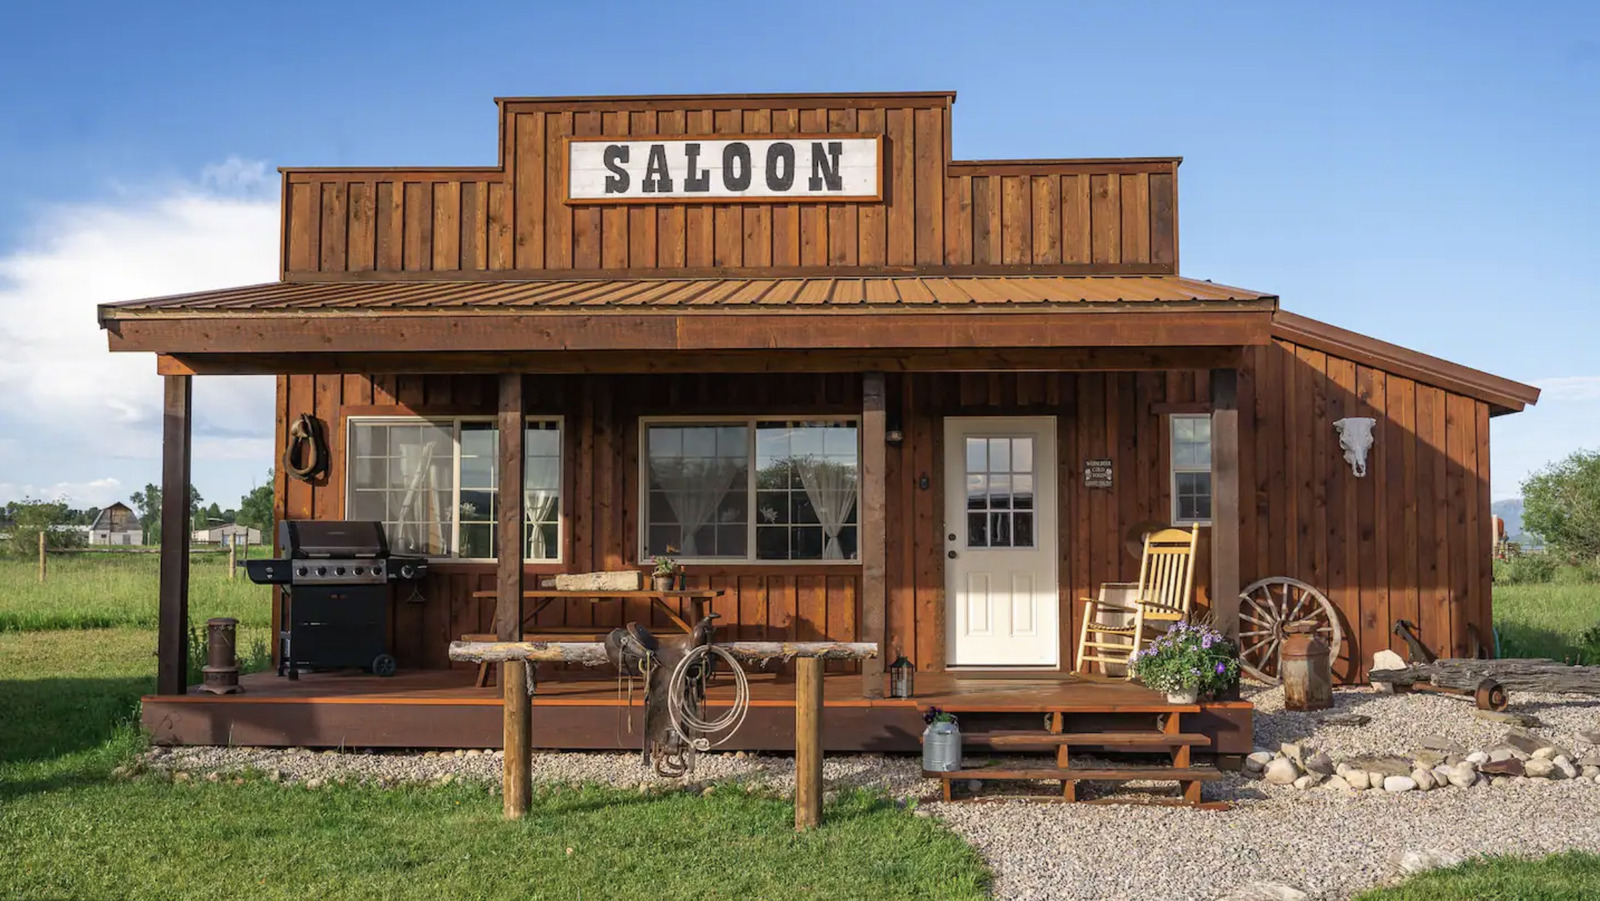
[(1173, 470), (642, 473), (455, 433)]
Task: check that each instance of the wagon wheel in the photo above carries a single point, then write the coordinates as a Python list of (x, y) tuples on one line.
[(1266, 608)]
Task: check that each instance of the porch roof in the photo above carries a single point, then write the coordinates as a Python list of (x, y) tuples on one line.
[(875, 294)]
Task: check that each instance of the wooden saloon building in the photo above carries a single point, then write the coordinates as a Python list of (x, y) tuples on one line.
[(869, 392)]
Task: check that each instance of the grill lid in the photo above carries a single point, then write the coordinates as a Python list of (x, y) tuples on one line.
[(317, 539)]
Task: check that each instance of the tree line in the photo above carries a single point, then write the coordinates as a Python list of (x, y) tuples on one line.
[(22, 521)]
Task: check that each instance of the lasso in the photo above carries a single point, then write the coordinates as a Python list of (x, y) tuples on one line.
[(687, 722)]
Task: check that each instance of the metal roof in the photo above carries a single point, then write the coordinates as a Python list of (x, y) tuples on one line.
[(988, 293)]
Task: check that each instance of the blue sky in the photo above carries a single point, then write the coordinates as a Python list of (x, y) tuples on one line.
[(1419, 172)]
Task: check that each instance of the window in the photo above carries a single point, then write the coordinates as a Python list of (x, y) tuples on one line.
[(751, 489), (1000, 492), (434, 485), (1191, 469)]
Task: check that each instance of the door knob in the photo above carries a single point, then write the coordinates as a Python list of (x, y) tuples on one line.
[(952, 555)]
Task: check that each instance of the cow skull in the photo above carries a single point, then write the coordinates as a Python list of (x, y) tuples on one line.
[(1355, 436)]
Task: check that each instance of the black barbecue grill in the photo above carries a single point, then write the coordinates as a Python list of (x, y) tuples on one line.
[(338, 578)]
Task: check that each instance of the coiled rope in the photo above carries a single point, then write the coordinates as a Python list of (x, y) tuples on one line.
[(307, 453), (707, 734)]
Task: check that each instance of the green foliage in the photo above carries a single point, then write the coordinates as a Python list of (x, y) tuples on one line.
[(1573, 876), (1188, 656), (31, 517), (148, 503), (1534, 568), (255, 508), (1561, 504)]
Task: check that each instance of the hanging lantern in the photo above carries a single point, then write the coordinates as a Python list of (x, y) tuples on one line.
[(900, 677)]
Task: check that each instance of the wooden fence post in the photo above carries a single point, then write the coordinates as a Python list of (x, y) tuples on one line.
[(41, 556), (517, 766), (807, 743), (233, 563), (517, 714)]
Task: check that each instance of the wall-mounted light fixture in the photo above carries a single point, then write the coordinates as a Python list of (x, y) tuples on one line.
[(1355, 437), (894, 437)]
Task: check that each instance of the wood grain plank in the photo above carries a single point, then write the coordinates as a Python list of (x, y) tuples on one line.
[(1076, 219), (586, 219), (1045, 221), (446, 225), (1105, 218), (614, 217), (929, 125), (642, 221), (700, 224), (671, 219), (1016, 213), (900, 157), (786, 216), (533, 163), (391, 220), (498, 227), (334, 225), (558, 223), (1164, 220), (361, 248), (844, 243), (304, 231), (1136, 217)]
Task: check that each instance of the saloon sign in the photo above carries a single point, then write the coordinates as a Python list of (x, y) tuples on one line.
[(817, 167)]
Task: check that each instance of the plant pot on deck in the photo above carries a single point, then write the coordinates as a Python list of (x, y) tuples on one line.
[(662, 583), (1184, 696)]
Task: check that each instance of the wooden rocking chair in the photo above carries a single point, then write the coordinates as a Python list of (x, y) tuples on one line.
[(1165, 592)]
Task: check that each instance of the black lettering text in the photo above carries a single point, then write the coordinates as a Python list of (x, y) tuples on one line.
[(736, 156), (692, 181), (615, 156), (780, 153), (656, 178), (825, 166)]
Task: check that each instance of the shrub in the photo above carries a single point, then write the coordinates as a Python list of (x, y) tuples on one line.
[(1188, 656), (1561, 504), (1589, 646), (1527, 569)]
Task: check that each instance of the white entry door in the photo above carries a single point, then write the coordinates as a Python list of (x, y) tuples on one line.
[(1000, 541)]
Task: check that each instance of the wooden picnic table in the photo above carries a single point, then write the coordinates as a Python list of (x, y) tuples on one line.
[(697, 600)]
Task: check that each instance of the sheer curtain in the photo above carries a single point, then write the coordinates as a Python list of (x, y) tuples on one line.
[(831, 488), (423, 500), (694, 488), (539, 495)]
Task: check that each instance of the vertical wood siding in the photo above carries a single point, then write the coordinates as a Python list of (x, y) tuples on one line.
[(1404, 542), (1107, 216)]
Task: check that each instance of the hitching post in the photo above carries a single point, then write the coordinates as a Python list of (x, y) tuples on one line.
[(807, 743)]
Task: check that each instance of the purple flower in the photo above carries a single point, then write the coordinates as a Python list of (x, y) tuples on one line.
[(1222, 668), (1205, 642)]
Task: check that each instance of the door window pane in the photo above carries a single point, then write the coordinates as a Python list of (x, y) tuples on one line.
[(1000, 479)]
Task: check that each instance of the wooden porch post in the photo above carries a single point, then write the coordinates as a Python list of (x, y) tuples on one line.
[(517, 766), (873, 529), (1225, 501), (172, 632)]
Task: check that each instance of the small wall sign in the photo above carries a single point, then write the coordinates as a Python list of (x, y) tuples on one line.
[(1097, 474), (679, 169)]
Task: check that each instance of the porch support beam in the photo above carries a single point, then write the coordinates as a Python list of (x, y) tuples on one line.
[(172, 632), (873, 530), (1225, 501), (517, 714)]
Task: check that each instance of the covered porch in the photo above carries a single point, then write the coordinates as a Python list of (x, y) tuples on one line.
[(1097, 365)]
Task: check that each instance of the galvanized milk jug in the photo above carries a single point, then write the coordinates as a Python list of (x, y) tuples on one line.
[(941, 747), (1303, 661)]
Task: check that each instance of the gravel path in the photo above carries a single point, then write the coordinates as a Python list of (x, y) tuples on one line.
[(1327, 843)]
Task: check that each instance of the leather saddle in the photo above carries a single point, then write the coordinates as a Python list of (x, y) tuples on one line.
[(636, 651)]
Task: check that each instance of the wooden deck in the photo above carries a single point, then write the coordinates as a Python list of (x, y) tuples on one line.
[(443, 709)]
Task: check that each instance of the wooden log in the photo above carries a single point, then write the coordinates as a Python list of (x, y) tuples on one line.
[(808, 744), (1517, 674), (593, 653), (516, 780)]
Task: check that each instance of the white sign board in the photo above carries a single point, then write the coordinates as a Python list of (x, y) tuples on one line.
[(816, 167)]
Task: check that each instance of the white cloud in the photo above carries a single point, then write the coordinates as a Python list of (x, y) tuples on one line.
[(95, 493), (79, 420), (1578, 387)]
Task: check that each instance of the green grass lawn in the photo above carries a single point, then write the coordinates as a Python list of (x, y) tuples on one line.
[(1545, 620), (1562, 877), (96, 591), (67, 703)]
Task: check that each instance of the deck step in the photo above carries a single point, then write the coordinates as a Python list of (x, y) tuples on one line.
[(1025, 739), (1089, 773)]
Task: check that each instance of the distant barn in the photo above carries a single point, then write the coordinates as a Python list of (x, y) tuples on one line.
[(116, 524)]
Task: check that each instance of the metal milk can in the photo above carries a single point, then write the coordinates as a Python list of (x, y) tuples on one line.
[(1307, 671), (941, 747)]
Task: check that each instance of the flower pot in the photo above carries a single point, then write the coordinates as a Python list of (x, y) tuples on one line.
[(661, 583), (1184, 696)]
